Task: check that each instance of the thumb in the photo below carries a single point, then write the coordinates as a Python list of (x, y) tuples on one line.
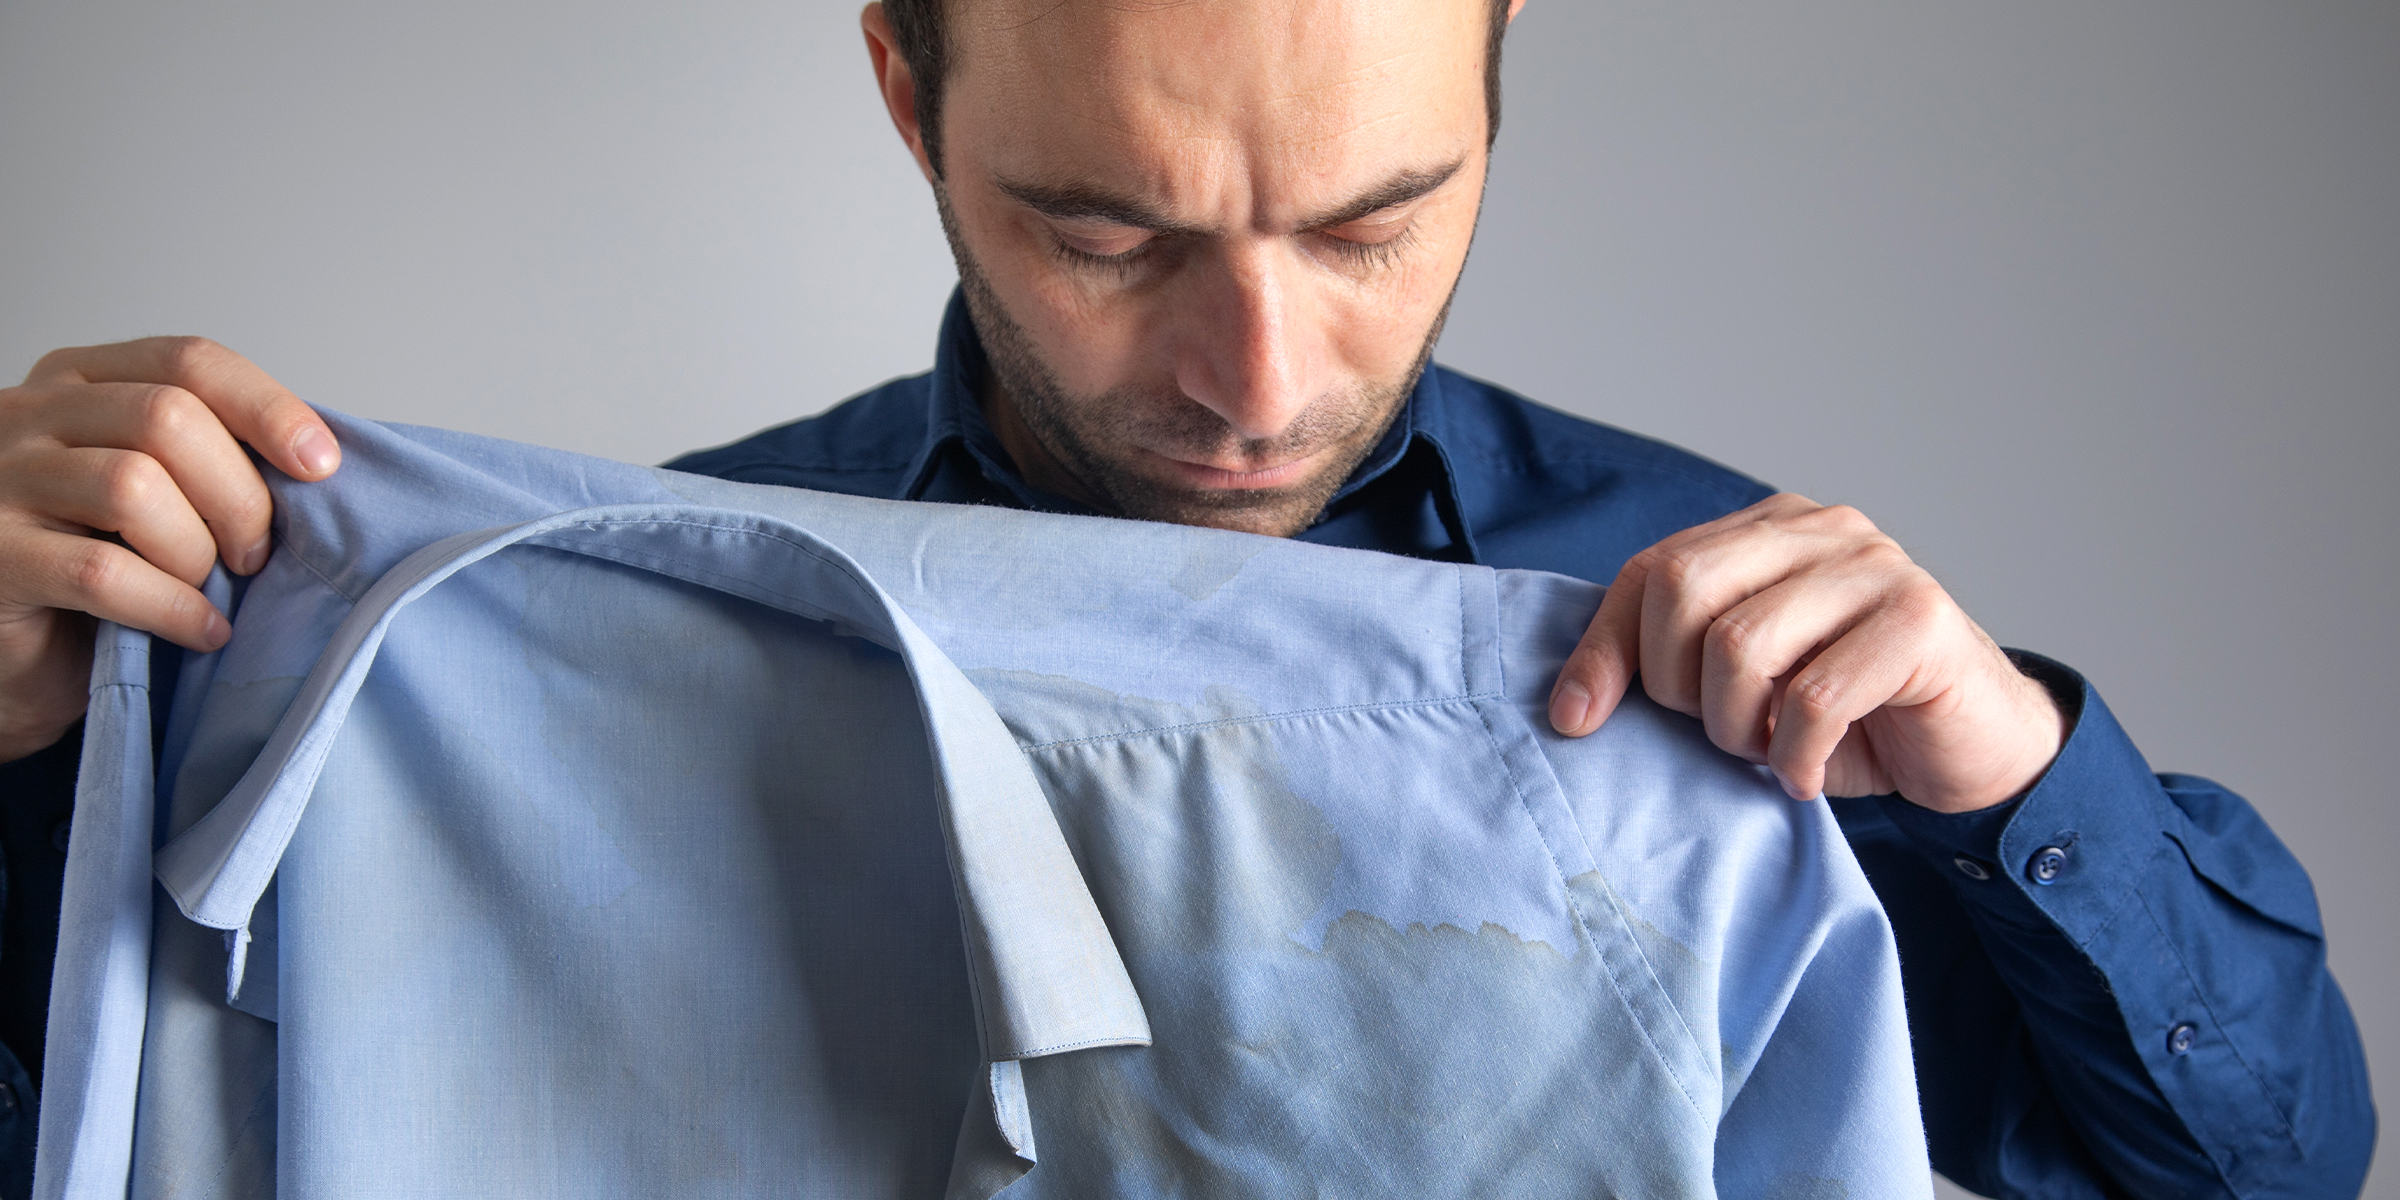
[(1604, 662)]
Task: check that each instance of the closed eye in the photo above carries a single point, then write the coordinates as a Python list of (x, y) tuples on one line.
[(1106, 247), (1373, 240), (1120, 263)]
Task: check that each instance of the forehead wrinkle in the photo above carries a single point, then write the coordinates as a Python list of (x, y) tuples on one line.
[(1156, 170), (1283, 121)]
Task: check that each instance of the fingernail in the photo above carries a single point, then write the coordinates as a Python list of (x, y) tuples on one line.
[(218, 632), (254, 557), (1569, 705), (315, 452)]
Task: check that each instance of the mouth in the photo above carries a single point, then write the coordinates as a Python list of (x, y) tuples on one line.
[(1204, 477)]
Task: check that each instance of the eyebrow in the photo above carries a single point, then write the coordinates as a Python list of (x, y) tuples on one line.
[(1087, 202)]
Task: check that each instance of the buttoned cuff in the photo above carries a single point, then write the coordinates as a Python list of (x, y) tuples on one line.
[(2070, 850)]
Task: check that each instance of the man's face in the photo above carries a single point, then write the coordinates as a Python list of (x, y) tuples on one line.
[(1208, 245)]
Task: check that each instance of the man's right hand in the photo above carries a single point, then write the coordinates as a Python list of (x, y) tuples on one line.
[(136, 440)]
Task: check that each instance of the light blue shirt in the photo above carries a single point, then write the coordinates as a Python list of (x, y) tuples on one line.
[(556, 827)]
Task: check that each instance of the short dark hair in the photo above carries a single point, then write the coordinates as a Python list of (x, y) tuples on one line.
[(919, 26)]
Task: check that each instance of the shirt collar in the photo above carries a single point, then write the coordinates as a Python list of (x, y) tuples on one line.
[(962, 460)]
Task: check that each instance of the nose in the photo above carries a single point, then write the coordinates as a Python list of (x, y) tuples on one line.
[(1252, 347)]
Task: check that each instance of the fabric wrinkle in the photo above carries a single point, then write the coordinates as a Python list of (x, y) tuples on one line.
[(1257, 873)]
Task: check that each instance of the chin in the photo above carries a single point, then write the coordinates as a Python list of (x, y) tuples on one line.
[(1281, 513)]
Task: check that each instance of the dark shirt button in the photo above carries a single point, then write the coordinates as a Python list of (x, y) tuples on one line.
[(58, 834), (2180, 1039), (1970, 868), (2046, 865), (8, 1098)]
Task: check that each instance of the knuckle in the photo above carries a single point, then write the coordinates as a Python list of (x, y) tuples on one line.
[(1669, 693), (252, 507), (187, 609), (1848, 519), (95, 569), (167, 412), (1731, 637), (189, 355), (1921, 601), (1678, 568), (1878, 556), (16, 404), (1723, 739), (1734, 737), (57, 363), (1589, 660), (1815, 697), (130, 484)]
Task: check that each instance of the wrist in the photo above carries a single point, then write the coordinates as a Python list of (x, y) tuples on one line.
[(45, 682), (2040, 722), (2046, 725)]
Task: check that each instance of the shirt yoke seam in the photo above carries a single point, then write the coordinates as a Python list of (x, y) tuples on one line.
[(302, 558), (785, 465), (1260, 719), (1516, 789)]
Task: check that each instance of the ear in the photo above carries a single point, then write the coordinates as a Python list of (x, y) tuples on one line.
[(1515, 7), (898, 86)]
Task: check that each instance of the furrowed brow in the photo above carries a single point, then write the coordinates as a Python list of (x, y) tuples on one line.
[(1083, 202), (1391, 193), (1080, 202)]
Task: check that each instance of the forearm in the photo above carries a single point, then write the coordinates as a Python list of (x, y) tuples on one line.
[(2168, 1018)]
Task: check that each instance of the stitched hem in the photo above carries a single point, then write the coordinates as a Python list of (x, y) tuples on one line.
[(1063, 1047)]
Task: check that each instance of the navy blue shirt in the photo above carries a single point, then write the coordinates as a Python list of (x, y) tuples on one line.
[(2116, 982)]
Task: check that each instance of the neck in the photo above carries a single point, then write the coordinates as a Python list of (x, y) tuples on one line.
[(1025, 451)]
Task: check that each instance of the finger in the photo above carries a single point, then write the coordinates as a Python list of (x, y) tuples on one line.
[(1778, 507), (1596, 675), (124, 492), (65, 570), (199, 454), (248, 401), (1696, 584), (1762, 640), (1865, 669)]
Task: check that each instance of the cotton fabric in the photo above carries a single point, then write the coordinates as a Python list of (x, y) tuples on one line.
[(607, 831)]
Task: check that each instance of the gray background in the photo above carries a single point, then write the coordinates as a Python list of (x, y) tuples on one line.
[(2095, 305)]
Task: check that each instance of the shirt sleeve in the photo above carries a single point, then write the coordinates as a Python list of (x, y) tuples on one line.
[(2117, 984)]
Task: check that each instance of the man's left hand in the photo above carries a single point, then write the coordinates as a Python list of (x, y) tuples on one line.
[(1806, 640)]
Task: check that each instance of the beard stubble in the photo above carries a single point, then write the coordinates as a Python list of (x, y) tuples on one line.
[(1073, 430)]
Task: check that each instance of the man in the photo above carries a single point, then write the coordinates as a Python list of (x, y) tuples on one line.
[(1204, 253)]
